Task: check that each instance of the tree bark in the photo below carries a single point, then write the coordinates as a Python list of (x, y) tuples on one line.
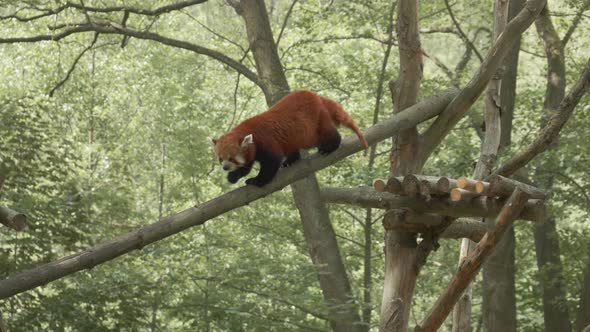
[(498, 288), (400, 246), (317, 227), (487, 159), (12, 219), (551, 279), (583, 317)]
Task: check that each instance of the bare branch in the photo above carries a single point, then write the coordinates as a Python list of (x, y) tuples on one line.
[(551, 131), (575, 23), (198, 215), (285, 21), (459, 107), (114, 28), (327, 78), (139, 11), (461, 33), (439, 64), (62, 82)]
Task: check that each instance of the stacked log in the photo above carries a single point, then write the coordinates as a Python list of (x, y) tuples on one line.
[(432, 190)]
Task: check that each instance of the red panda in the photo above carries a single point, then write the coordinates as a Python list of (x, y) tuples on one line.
[(300, 120)]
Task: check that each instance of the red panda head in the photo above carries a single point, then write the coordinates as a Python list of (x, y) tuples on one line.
[(232, 152)]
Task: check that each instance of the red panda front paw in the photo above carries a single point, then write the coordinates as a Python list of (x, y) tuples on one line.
[(233, 177), (255, 182)]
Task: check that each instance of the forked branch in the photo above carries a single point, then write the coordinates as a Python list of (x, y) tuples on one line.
[(551, 131)]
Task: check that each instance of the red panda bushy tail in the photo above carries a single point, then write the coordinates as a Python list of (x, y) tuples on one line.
[(339, 116)]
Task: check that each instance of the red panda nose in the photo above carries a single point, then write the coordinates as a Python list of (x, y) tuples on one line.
[(226, 167)]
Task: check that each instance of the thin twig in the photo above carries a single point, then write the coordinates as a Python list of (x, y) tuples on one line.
[(69, 73), (114, 28), (53, 11), (464, 36), (575, 23), (285, 22)]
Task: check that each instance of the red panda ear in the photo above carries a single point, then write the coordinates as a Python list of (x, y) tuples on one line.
[(212, 141), (247, 141)]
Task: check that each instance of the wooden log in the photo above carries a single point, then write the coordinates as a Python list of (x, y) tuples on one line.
[(482, 187), (411, 185), (462, 194), (411, 221), (12, 219), (466, 184), (429, 185), (471, 265), (503, 186), (470, 229), (394, 185), (444, 184), (379, 185), (425, 188), (485, 207)]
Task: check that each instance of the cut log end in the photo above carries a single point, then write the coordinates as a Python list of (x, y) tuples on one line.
[(466, 183), (379, 185), (481, 187), (455, 194)]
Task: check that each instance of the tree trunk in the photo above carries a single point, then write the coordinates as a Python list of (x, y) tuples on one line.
[(499, 301), (487, 159), (401, 267), (551, 280), (318, 231), (583, 318), (498, 289)]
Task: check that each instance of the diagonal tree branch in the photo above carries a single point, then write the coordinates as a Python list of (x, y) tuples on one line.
[(285, 21), (114, 28), (459, 107), (471, 265), (198, 215), (575, 23), (551, 131)]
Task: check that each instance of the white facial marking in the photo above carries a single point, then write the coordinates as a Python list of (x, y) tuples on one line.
[(211, 141), (228, 166), (240, 159)]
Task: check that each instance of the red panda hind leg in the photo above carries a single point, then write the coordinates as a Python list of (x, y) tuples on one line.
[(291, 159), (329, 142)]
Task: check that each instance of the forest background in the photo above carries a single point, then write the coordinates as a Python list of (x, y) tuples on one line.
[(102, 134)]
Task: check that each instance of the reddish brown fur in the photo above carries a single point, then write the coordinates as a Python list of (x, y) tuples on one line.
[(301, 120)]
